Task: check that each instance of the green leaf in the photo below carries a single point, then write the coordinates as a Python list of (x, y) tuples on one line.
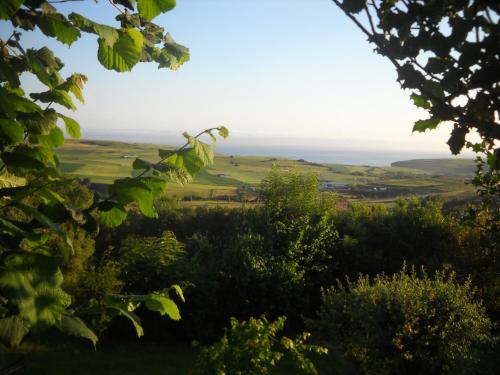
[(141, 164), (22, 163), (457, 139), (223, 131), (113, 217), (184, 165), (74, 84), (149, 9), (13, 329), (353, 6), (9, 7), (155, 184), (52, 140), (131, 190), (422, 125), (72, 127), (108, 34), (124, 53), (39, 123), (172, 55), (163, 304), (8, 180), (38, 68), (33, 282), (203, 151), (75, 326), (130, 4), (136, 321), (178, 291), (7, 74), (56, 25), (55, 96), (11, 132), (41, 218), (419, 101)]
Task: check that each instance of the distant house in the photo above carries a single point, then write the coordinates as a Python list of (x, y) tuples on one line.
[(332, 185)]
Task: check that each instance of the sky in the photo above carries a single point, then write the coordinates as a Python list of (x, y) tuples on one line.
[(288, 72)]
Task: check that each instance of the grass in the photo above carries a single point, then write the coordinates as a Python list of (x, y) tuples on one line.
[(77, 357), (111, 358), (104, 161)]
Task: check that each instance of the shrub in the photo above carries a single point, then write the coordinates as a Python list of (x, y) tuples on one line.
[(252, 348), (148, 262), (404, 324)]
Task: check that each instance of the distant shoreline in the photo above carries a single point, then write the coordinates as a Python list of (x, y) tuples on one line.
[(324, 154)]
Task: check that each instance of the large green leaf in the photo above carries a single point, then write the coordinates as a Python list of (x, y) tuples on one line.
[(107, 33), (124, 53), (56, 25), (423, 125), (113, 217), (172, 55), (163, 304), (223, 131), (184, 163), (39, 123), (52, 140), (55, 96), (38, 68), (22, 164), (72, 127), (33, 283), (75, 326), (123, 311), (8, 180), (9, 7), (11, 132), (149, 9), (13, 329), (8, 74), (131, 190), (41, 218)]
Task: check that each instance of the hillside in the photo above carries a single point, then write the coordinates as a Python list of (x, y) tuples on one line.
[(443, 167), (103, 161)]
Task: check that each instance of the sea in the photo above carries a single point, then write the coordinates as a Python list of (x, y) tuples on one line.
[(312, 150)]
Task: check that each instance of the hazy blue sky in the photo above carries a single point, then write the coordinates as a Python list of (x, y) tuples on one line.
[(263, 68)]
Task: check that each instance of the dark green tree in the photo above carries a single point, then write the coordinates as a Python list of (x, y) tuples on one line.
[(447, 53)]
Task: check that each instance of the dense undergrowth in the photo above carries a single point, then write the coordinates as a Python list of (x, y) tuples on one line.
[(439, 294)]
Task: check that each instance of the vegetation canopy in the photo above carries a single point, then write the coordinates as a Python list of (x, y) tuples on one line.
[(34, 217)]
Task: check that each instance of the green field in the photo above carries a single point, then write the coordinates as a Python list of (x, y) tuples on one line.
[(103, 161)]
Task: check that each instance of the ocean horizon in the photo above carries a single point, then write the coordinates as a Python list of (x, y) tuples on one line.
[(317, 151)]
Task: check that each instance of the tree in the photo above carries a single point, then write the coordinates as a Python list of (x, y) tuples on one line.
[(405, 324), (31, 209), (447, 53)]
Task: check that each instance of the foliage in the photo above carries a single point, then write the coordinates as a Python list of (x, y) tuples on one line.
[(446, 53), (405, 324), (375, 240), (253, 347), (32, 211), (147, 263)]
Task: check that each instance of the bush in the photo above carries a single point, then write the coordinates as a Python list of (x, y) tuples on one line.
[(252, 348), (149, 263), (404, 324)]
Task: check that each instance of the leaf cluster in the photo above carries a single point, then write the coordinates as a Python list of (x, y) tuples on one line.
[(32, 211), (253, 347), (447, 54)]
